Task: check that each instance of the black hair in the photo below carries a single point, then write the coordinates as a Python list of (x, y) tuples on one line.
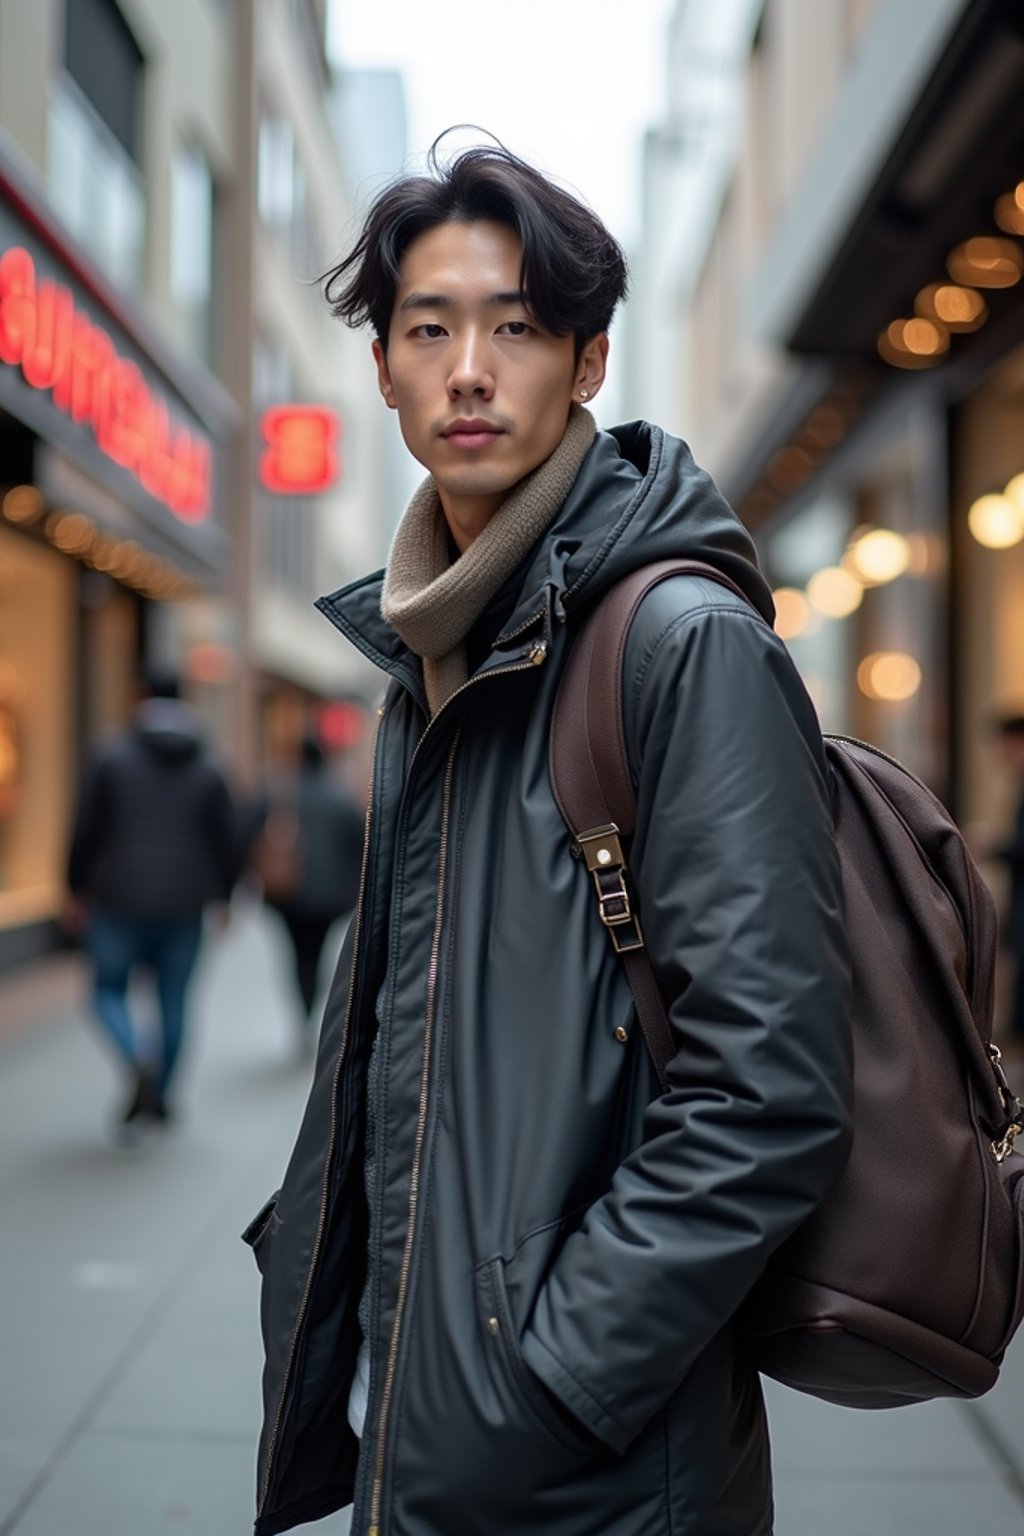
[(573, 271)]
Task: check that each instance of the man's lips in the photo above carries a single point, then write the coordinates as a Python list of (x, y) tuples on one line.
[(473, 432)]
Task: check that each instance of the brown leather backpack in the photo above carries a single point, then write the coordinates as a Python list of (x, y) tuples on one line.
[(908, 1281)]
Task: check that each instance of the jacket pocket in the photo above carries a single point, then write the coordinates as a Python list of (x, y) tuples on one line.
[(263, 1225), (529, 1394)]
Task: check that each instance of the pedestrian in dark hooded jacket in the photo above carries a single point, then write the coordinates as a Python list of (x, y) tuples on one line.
[(502, 1272), (308, 851), (155, 842)]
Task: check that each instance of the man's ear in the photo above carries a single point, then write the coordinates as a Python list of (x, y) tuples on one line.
[(590, 368), (383, 376)]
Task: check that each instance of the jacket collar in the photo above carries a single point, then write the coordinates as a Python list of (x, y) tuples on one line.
[(638, 498), (356, 609)]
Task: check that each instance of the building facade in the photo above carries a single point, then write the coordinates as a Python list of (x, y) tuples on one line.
[(302, 207), (833, 314), (171, 186)]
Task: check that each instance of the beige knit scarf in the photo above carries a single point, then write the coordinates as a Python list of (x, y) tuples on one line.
[(433, 602)]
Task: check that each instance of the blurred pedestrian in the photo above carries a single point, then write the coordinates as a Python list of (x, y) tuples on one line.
[(155, 842), (306, 855), (1011, 734)]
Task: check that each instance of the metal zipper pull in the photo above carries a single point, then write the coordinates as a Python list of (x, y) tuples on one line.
[(538, 653)]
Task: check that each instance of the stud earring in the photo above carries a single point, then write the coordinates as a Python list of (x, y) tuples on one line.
[(584, 394)]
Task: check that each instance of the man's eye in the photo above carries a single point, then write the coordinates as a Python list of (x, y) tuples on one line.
[(430, 331), (516, 327)]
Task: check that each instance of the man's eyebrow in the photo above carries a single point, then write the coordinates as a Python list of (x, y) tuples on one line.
[(426, 301), (443, 301)]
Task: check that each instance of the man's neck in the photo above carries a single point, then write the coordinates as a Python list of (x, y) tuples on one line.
[(468, 516)]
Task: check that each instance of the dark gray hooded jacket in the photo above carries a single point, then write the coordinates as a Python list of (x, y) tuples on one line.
[(559, 1247)]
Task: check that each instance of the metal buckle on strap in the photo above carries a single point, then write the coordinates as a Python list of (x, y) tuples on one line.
[(601, 848), (1002, 1148), (602, 853), (614, 903)]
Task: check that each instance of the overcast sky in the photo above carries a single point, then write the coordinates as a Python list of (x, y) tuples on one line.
[(568, 84)]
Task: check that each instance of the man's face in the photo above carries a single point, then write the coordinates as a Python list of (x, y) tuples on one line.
[(482, 391)]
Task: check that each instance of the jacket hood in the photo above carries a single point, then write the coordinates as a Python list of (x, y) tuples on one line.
[(168, 728), (638, 498)]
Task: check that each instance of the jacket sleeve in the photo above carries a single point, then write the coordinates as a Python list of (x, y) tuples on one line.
[(735, 864)]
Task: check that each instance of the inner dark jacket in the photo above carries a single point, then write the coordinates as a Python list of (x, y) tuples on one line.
[(558, 1246)]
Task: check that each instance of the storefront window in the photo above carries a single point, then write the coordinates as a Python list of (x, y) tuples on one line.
[(822, 647), (988, 457), (111, 652), (36, 618), (863, 603)]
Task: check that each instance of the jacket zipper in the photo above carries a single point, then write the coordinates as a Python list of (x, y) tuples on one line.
[(520, 629), (417, 1156), (318, 1241), (536, 656)]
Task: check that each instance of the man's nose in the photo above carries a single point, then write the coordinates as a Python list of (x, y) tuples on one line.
[(471, 372)]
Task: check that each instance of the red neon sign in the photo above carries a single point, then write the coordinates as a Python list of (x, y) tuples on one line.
[(301, 455), (342, 725), (59, 349)]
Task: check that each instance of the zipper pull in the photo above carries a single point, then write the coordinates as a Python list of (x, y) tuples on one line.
[(538, 653)]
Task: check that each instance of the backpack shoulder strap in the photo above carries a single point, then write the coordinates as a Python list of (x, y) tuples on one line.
[(592, 783)]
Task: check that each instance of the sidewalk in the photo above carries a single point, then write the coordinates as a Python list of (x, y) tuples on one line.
[(129, 1384), (129, 1339)]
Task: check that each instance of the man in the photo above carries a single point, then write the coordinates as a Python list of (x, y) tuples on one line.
[(307, 855), (154, 843), (500, 1277)]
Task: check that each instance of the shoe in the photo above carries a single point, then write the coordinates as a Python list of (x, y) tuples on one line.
[(161, 1111), (145, 1099)]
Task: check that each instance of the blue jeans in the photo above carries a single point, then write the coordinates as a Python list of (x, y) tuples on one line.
[(169, 949)]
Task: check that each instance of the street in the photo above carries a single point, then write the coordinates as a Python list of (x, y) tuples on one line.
[(130, 1388)]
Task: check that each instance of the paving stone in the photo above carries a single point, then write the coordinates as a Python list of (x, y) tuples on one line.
[(119, 1485), (957, 1505), (813, 1437)]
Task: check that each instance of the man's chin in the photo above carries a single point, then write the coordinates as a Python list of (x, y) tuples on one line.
[(495, 483)]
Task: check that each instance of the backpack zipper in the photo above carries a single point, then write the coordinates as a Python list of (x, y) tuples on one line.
[(867, 746)]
